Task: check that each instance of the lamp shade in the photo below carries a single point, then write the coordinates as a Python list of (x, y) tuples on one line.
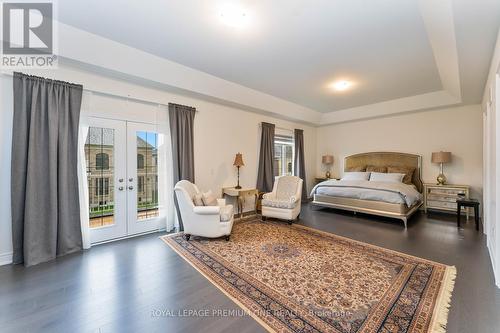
[(441, 157), (238, 160), (327, 159)]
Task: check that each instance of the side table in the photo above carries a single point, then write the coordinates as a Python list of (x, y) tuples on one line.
[(474, 203), (240, 195)]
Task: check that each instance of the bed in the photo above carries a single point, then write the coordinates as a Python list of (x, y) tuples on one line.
[(373, 198)]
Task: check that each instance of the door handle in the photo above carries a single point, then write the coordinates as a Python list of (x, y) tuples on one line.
[(120, 188), (131, 188)]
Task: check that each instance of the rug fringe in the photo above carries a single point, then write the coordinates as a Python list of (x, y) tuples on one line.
[(443, 303)]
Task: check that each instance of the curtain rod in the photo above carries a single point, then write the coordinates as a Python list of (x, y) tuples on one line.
[(281, 128), (133, 99)]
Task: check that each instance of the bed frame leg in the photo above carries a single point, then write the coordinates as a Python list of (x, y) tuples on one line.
[(405, 221)]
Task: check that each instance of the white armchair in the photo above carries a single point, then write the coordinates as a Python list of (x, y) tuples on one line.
[(284, 201), (205, 221)]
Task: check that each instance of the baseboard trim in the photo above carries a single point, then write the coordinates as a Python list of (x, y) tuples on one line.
[(493, 264), (5, 258)]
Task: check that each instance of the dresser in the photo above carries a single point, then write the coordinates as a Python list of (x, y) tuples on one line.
[(444, 197)]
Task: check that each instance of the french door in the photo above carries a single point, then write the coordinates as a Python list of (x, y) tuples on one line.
[(122, 173)]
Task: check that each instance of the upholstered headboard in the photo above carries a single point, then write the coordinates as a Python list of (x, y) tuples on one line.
[(388, 159)]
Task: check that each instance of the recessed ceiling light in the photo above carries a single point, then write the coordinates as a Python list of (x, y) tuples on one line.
[(341, 85), (234, 16)]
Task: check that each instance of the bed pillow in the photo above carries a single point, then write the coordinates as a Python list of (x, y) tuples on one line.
[(387, 177), (408, 171), (356, 176), (356, 169), (374, 168)]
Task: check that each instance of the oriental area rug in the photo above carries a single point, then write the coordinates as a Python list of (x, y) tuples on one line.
[(298, 279)]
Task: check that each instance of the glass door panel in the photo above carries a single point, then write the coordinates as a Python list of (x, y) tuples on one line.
[(105, 156), (99, 149), (142, 170), (147, 175)]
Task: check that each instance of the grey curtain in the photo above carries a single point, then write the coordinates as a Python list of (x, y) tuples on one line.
[(182, 132), (300, 165), (265, 177), (44, 190)]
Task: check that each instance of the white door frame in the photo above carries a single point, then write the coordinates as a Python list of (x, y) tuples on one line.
[(124, 182)]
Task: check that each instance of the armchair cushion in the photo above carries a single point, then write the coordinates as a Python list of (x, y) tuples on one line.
[(268, 196), (277, 203)]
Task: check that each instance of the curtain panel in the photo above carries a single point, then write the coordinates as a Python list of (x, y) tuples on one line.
[(181, 120), (265, 177), (300, 166), (44, 187)]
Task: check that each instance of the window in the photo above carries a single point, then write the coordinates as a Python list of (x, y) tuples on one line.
[(102, 161), (140, 161), (140, 184), (283, 155), (102, 186)]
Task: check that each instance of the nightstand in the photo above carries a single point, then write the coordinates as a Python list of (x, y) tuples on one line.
[(318, 180), (444, 197)]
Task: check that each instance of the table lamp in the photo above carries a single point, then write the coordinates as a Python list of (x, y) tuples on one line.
[(441, 157), (238, 162), (327, 160)]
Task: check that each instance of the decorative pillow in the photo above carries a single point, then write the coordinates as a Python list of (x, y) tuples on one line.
[(386, 177), (374, 168), (408, 171), (356, 176), (198, 199), (209, 199), (356, 169)]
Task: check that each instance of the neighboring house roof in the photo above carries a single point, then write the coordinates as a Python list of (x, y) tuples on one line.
[(105, 137), (141, 143)]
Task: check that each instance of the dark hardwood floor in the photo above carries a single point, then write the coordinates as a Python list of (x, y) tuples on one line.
[(140, 284)]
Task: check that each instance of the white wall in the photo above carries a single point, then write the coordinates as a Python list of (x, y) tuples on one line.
[(220, 132), (491, 118), (458, 130)]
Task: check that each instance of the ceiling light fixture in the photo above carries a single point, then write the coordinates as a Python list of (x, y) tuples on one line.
[(341, 85), (234, 16)]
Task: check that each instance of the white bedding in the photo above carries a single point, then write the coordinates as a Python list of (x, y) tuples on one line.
[(398, 193)]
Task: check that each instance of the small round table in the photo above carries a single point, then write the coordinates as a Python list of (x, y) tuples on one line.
[(468, 203)]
